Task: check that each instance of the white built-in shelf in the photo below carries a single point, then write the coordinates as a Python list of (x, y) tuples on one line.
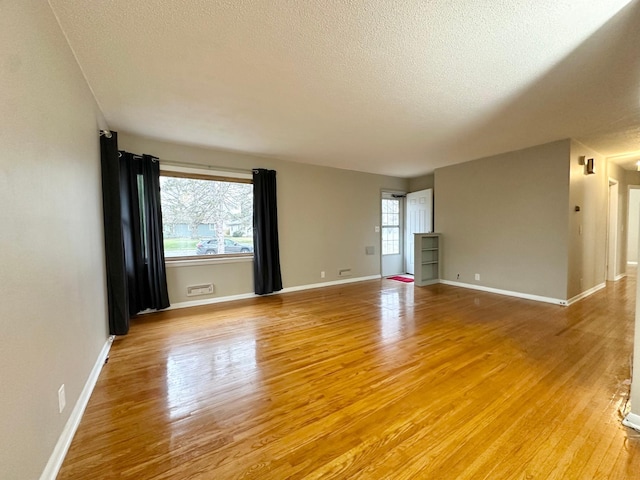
[(428, 251)]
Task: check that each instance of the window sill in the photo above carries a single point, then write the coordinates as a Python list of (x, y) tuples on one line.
[(206, 260)]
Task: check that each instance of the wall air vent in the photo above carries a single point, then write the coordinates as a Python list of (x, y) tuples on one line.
[(204, 289)]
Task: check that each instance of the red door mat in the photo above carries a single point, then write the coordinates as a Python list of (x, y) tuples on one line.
[(401, 279)]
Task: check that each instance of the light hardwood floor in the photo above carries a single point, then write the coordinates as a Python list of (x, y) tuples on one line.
[(374, 380)]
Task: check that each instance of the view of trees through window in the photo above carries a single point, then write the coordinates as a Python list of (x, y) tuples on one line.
[(206, 217)]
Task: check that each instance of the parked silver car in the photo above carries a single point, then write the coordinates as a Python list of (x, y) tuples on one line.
[(210, 247)]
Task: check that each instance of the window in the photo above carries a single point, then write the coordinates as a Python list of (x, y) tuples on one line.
[(205, 214), (390, 226)]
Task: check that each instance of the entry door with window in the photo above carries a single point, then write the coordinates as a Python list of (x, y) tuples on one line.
[(392, 235)]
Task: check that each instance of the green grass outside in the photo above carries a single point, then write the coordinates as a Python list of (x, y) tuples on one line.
[(190, 243), (180, 243)]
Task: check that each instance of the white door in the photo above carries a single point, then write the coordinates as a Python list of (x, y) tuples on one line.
[(419, 219), (391, 234)]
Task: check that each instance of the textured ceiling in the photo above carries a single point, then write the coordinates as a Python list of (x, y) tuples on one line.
[(392, 87)]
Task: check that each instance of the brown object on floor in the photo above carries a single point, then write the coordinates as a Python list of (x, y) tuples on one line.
[(367, 380)]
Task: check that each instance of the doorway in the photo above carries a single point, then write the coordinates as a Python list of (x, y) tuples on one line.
[(612, 234), (633, 225), (419, 216), (392, 234)]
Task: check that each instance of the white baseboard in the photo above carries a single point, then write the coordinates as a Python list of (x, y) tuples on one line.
[(632, 421), (537, 298), (586, 293), (64, 441), (329, 284), (632, 263), (620, 277), (243, 296), (205, 301)]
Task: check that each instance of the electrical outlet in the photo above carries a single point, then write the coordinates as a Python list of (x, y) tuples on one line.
[(62, 399), (321, 274), (477, 276)]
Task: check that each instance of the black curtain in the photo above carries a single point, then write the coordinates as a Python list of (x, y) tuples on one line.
[(134, 259), (142, 224), (158, 296), (136, 276), (117, 294), (267, 277)]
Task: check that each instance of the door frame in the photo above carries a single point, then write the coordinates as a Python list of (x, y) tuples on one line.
[(428, 228), (612, 229), (400, 195), (629, 231)]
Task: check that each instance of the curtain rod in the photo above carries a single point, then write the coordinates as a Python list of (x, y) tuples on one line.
[(207, 167), (196, 165), (107, 133), (138, 157)]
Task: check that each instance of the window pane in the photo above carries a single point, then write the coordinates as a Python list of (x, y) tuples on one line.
[(206, 217), (390, 226), (390, 240), (143, 220), (390, 212)]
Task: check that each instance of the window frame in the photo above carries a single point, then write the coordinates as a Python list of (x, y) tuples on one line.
[(213, 174)]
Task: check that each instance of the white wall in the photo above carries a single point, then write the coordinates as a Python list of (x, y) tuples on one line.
[(634, 225), (505, 217), (511, 218), (52, 287), (421, 183), (633, 212), (618, 173), (327, 217), (588, 228)]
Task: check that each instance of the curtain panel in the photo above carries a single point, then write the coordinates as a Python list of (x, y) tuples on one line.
[(266, 252), (117, 290), (136, 274), (142, 224), (158, 296)]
